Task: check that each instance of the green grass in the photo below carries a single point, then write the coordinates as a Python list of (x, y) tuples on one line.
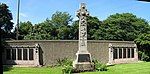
[(40, 70), (136, 68)]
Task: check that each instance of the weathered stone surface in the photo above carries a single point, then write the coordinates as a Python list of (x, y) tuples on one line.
[(51, 50), (86, 66), (83, 61)]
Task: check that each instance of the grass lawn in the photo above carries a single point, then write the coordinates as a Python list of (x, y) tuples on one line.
[(40, 70), (137, 68)]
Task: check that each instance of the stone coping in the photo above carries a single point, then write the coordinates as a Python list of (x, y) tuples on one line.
[(103, 41), (22, 66)]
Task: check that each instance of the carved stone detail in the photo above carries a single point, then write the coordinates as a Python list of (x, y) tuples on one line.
[(83, 61)]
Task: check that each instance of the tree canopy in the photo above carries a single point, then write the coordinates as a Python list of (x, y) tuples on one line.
[(6, 25), (55, 28), (124, 27)]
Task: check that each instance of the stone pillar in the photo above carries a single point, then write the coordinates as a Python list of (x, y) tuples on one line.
[(28, 53), (10, 53), (83, 60), (16, 53), (130, 52), (122, 53), (126, 52), (118, 53), (22, 52), (36, 55), (135, 52), (110, 62)]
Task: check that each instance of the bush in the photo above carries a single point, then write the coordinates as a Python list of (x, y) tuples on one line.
[(64, 62), (99, 66), (143, 56), (67, 69)]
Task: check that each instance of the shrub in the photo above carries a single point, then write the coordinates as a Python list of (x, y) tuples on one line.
[(67, 69), (143, 56), (99, 66), (64, 62)]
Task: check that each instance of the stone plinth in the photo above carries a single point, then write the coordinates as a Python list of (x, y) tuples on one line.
[(86, 66), (83, 62)]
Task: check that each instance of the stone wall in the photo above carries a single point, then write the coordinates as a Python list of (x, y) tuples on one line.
[(51, 50)]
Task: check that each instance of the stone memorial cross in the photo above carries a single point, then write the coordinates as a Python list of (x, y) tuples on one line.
[(82, 14), (83, 61)]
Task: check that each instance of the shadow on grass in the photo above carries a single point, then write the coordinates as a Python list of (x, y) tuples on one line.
[(111, 65), (7, 68)]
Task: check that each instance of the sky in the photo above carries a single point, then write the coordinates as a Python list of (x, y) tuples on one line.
[(37, 11)]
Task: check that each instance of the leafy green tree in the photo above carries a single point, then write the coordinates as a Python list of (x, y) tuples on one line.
[(61, 21), (75, 30), (100, 33), (143, 43), (144, 40), (64, 32), (55, 28), (125, 26), (6, 24), (61, 18), (24, 29), (41, 31), (93, 24)]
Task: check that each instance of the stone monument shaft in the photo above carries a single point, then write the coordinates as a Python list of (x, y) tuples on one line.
[(82, 14), (83, 61)]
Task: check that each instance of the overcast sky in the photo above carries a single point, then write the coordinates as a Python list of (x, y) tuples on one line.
[(37, 11)]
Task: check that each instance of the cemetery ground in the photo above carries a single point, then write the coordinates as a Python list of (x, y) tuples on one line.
[(134, 68)]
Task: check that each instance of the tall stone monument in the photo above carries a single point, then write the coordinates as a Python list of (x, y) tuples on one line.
[(83, 60)]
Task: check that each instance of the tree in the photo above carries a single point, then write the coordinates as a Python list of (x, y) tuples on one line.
[(41, 31), (61, 18), (61, 21), (143, 40), (6, 24), (24, 29), (143, 43), (125, 26), (55, 28), (93, 24), (75, 30), (100, 33)]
